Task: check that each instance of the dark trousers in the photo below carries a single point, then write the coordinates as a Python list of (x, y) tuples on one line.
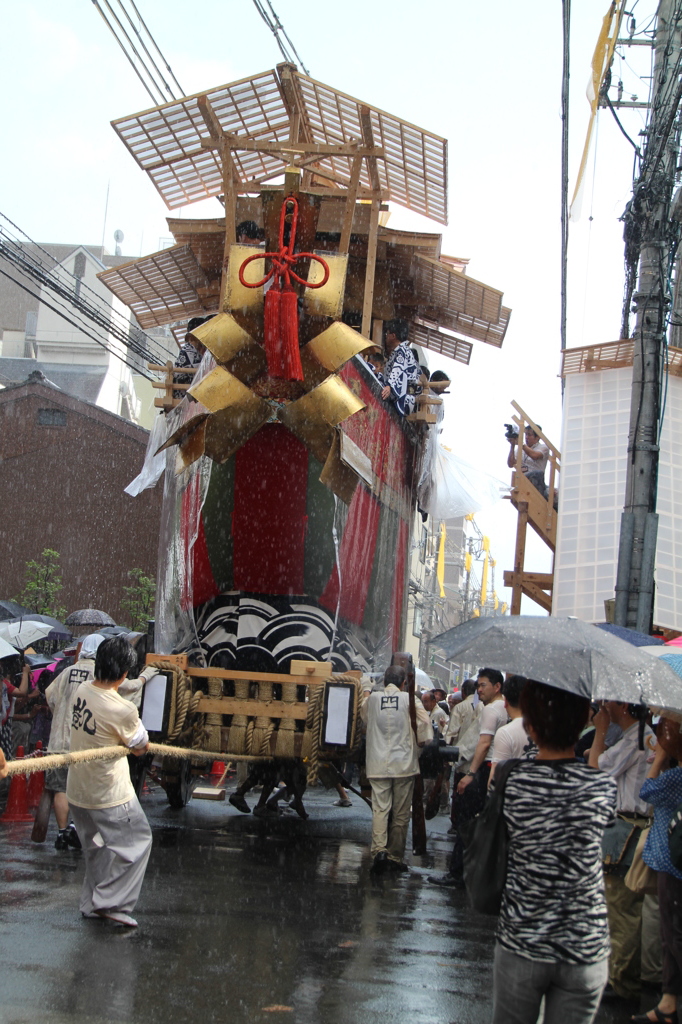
[(670, 904), (464, 809)]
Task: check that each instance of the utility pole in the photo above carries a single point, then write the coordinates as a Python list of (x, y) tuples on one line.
[(648, 216)]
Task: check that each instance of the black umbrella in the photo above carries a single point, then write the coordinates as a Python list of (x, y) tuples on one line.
[(12, 610), (113, 630), (38, 660)]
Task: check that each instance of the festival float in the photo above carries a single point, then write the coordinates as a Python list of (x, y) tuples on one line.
[(290, 486)]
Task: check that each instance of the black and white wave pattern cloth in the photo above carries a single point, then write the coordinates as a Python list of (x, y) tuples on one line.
[(553, 907), (264, 634)]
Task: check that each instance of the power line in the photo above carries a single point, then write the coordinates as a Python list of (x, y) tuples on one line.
[(132, 338), (117, 323), (151, 77), (146, 50), (565, 95), (276, 26), (154, 44), (65, 316)]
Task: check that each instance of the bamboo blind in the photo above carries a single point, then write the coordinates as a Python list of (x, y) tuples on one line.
[(475, 327), (436, 341), (439, 285)]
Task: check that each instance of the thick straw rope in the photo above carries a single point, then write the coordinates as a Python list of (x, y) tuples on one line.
[(184, 703), (28, 765)]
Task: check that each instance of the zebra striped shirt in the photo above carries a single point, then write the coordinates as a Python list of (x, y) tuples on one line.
[(553, 907)]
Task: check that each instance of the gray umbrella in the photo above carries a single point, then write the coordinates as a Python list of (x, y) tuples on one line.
[(566, 653)]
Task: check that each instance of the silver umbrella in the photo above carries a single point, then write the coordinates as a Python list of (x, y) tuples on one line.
[(566, 653)]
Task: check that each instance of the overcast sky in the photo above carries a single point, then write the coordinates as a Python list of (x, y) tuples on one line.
[(485, 76)]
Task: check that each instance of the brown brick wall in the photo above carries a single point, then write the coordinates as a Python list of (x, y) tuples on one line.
[(62, 488)]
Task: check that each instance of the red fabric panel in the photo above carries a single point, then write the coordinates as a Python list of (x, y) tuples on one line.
[(399, 585), (269, 518), (200, 579), (356, 556), (205, 586)]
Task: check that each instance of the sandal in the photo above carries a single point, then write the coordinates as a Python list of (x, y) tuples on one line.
[(662, 1018)]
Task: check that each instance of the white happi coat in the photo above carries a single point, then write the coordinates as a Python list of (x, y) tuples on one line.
[(392, 750)]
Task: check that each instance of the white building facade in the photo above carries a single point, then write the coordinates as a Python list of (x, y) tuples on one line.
[(596, 418)]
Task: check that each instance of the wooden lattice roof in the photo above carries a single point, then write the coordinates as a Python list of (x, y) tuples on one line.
[(163, 287), (169, 142)]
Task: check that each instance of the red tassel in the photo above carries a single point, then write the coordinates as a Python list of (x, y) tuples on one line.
[(271, 332), (290, 352)]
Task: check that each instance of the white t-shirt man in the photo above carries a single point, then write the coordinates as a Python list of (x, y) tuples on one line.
[(493, 716), (512, 740), (101, 718), (531, 465), (438, 719)]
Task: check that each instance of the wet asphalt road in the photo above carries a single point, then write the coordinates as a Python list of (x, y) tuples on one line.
[(245, 920)]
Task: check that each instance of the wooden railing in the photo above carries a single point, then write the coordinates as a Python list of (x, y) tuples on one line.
[(168, 384)]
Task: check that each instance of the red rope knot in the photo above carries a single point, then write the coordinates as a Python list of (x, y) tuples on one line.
[(280, 322)]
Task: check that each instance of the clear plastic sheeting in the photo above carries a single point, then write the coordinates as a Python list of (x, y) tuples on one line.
[(164, 425), (154, 465), (183, 499), (450, 487)]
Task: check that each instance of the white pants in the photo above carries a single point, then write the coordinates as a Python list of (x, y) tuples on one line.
[(116, 842), (391, 797)]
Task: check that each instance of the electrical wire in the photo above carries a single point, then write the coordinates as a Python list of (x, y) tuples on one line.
[(618, 122), (28, 241), (275, 26), (77, 325), (154, 99), (146, 50), (114, 324), (565, 96), (155, 45), (39, 266), (151, 77), (100, 311)]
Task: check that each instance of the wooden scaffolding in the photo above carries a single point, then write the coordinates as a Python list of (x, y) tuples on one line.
[(540, 514)]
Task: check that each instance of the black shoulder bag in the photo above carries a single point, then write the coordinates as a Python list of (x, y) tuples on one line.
[(486, 846)]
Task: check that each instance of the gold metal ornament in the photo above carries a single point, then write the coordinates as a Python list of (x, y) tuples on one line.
[(232, 346)]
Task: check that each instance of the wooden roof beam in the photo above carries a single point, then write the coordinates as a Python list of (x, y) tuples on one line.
[(368, 139), (303, 148), (210, 120)]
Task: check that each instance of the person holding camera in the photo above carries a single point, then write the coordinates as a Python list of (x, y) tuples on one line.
[(534, 458)]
